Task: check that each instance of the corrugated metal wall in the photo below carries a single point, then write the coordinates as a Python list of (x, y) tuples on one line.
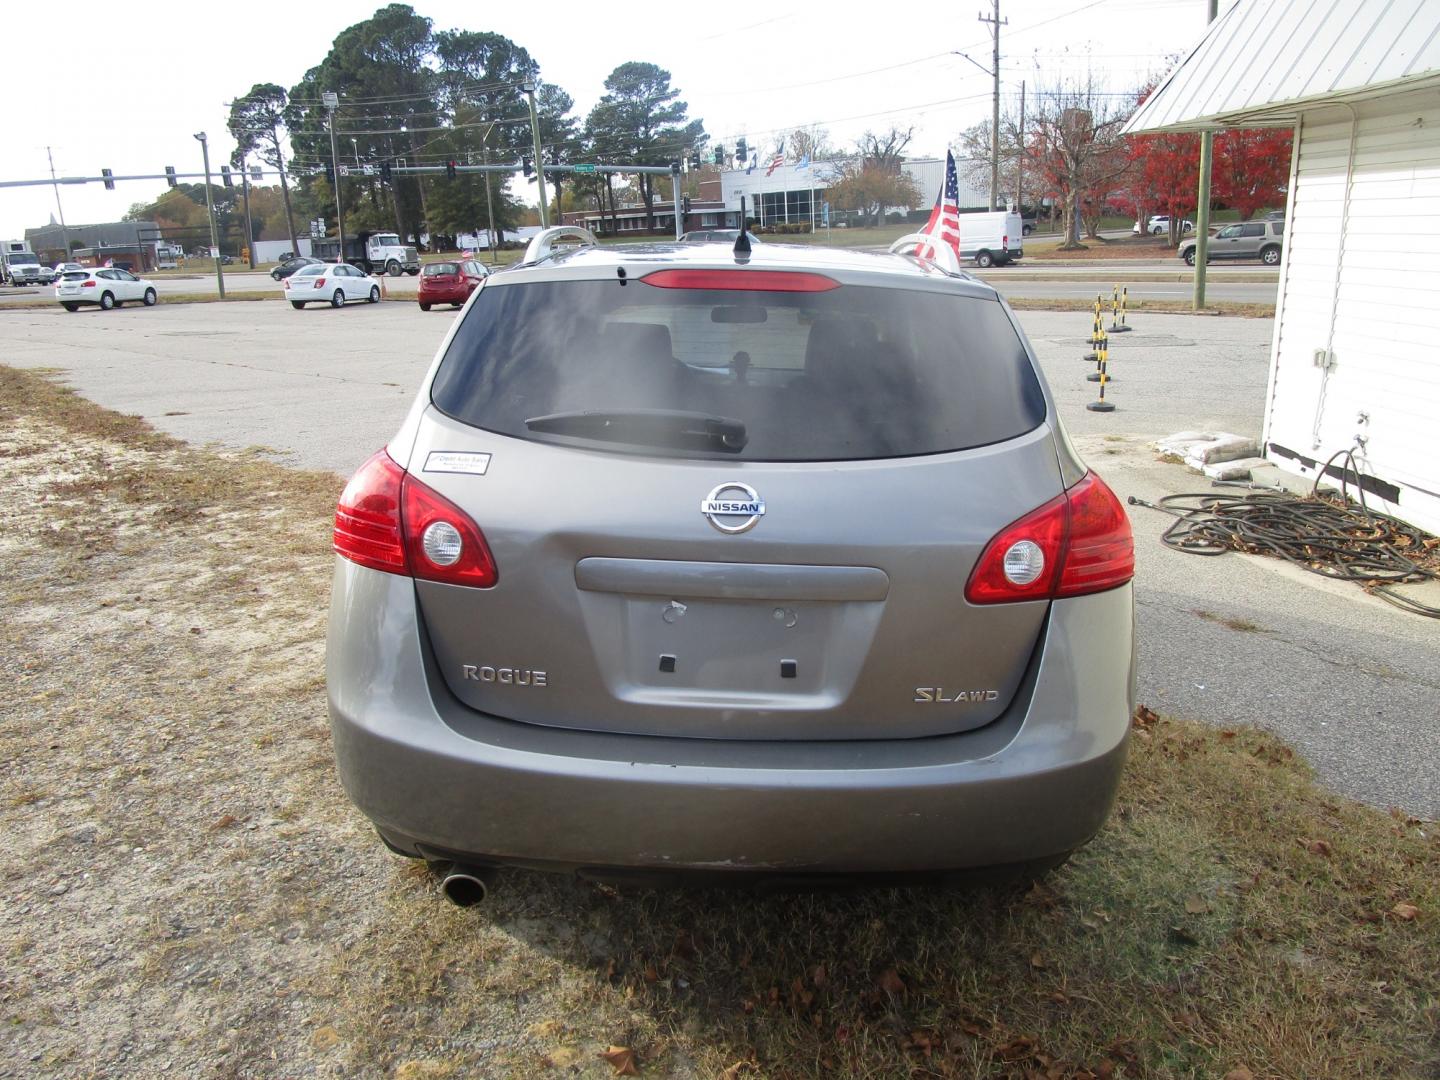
[(1365, 200)]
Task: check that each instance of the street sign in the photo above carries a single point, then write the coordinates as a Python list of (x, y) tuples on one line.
[(585, 168)]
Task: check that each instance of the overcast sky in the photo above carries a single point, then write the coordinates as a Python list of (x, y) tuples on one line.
[(743, 69)]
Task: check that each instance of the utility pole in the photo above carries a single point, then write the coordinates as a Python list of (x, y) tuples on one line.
[(1020, 158), (64, 232), (996, 22), (332, 102), (249, 228), (1202, 210), (529, 87), (489, 206), (210, 213)]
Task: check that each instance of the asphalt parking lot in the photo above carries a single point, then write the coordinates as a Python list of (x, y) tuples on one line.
[(1349, 681)]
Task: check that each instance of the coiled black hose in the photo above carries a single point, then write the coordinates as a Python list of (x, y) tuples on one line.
[(1325, 534)]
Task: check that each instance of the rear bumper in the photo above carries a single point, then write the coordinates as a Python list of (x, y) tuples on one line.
[(442, 296), (428, 771)]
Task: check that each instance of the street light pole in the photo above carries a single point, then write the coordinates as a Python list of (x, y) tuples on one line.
[(332, 102), (529, 87), (210, 213)]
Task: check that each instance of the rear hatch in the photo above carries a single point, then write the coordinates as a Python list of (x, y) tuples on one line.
[(440, 277), (735, 514)]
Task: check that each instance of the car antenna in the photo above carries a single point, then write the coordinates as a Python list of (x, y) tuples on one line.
[(742, 242)]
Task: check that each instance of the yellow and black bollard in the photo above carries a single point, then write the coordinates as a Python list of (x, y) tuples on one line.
[(1096, 329), (1103, 377), (1117, 311)]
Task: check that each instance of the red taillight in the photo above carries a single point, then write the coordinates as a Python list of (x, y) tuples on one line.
[(384, 521), (748, 280), (367, 520), (443, 543), (319, 283), (1077, 543), (87, 284)]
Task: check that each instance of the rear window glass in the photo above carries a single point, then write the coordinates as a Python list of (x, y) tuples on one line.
[(308, 271), (76, 275), (854, 372), (441, 268)]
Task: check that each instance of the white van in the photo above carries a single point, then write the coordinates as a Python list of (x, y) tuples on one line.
[(992, 237)]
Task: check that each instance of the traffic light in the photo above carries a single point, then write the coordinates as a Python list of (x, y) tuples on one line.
[(694, 160), (742, 151), (450, 170), (685, 204), (109, 183), (225, 176), (719, 155), (170, 175), (385, 172), (529, 168)]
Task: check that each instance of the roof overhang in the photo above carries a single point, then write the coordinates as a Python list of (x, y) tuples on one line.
[(1265, 62)]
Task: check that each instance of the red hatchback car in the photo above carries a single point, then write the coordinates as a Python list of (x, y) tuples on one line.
[(450, 282)]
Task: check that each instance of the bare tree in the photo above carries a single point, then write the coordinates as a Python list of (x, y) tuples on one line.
[(811, 141), (1074, 145)]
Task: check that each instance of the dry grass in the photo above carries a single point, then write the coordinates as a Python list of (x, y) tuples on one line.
[(186, 884)]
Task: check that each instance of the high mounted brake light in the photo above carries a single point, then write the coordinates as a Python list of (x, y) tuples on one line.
[(746, 280)]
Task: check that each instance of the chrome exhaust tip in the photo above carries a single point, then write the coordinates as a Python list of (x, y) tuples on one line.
[(466, 886)]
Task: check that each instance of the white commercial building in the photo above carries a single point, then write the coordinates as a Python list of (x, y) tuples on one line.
[(1355, 360), (792, 192)]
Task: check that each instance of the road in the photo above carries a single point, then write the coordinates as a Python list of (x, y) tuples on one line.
[(1031, 280), (1349, 681)]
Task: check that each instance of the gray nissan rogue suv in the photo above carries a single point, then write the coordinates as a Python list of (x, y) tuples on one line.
[(695, 558)]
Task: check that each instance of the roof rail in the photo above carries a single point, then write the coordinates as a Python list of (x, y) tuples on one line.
[(542, 244), (941, 255)]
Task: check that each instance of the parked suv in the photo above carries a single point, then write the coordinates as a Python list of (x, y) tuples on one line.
[(689, 560), (1243, 240)]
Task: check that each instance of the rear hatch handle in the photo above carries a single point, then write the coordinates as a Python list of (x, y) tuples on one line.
[(731, 581)]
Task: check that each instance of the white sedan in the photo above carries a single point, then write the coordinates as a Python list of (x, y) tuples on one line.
[(104, 286), (330, 283)]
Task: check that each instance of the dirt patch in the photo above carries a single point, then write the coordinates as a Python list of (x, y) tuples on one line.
[(188, 893)]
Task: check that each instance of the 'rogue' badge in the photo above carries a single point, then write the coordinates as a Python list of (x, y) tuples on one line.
[(733, 508)]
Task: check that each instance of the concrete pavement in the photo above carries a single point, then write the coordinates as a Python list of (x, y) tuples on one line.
[(1349, 681)]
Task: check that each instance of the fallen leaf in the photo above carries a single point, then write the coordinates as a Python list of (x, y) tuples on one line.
[(1196, 905), (739, 1069), (1239, 1073), (817, 977), (622, 1060), (1059, 997), (1037, 961), (225, 821), (1227, 734), (324, 1038), (891, 982), (651, 975), (1145, 717), (1405, 911), (1318, 847), (1022, 1046)]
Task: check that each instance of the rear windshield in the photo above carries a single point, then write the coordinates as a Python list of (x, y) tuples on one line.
[(76, 275), (441, 268), (310, 270), (855, 372)]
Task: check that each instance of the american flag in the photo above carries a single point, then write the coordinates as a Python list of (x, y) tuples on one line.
[(779, 160), (944, 223)]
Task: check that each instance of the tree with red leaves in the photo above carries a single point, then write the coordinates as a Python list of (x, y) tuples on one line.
[(1252, 167)]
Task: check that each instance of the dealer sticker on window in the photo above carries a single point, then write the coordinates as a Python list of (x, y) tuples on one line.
[(457, 461)]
